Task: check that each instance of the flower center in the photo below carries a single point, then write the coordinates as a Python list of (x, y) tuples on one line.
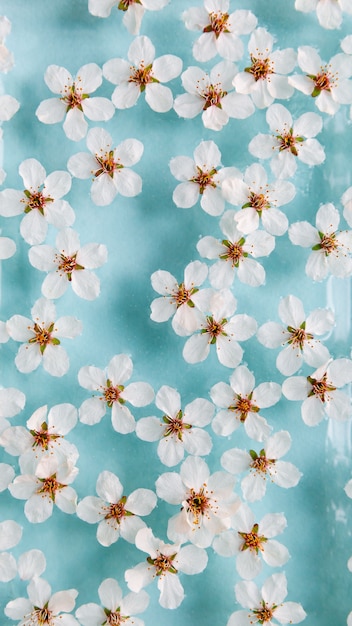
[(112, 394), (114, 618), (260, 463), (320, 388), (212, 96), (35, 200), (260, 68), (175, 426), (327, 243), (197, 504), (299, 336), (42, 438), (204, 179), (107, 164), (73, 97), (257, 201), (218, 24), (287, 141), (49, 486), (252, 541), (124, 4), (67, 264), (142, 75), (243, 405), (214, 328), (43, 337), (163, 564), (183, 295), (42, 616), (234, 251), (264, 614), (117, 510)]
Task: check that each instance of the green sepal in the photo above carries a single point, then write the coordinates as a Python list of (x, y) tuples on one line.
[(317, 247), (316, 92), (246, 206), (55, 341), (253, 454)]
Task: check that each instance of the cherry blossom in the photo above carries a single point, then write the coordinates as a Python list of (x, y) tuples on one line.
[(212, 94), (330, 247), (40, 338), (329, 12), (263, 606), (297, 335), (220, 327), (220, 29), (69, 264), (44, 435), (74, 102), (259, 200), (115, 609), (6, 57), (116, 514), (164, 562), (42, 607), (109, 166), (207, 502), (263, 466), (179, 430), (40, 201), (249, 541), (328, 82), (114, 394), (143, 73), (264, 79), (133, 10), (48, 485), (290, 140), (320, 392), (240, 403), (12, 401), (236, 254), (201, 178), (180, 300)]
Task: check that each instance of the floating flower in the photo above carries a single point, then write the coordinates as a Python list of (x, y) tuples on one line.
[(297, 335), (236, 254), (74, 102), (40, 201), (12, 401), (263, 466), (6, 57), (258, 200), (116, 514), (180, 300), (201, 178), (265, 605), (143, 73), (115, 609), (133, 10), (241, 402), (69, 263), (220, 327), (321, 393), (329, 12), (41, 607), (212, 93), (207, 502), (331, 248), (265, 78), (251, 542), (220, 29), (180, 430), (164, 562), (110, 167), (113, 393), (289, 141), (328, 82)]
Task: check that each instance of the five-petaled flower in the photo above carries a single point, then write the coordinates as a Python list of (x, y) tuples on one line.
[(42, 608), (329, 12), (115, 609), (133, 10)]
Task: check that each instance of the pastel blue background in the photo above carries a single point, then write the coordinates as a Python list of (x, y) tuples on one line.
[(147, 233)]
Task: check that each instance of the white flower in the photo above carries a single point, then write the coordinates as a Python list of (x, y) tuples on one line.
[(346, 201), (40, 338), (201, 178), (258, 200), (329, 12), (116, 514), (265, 605), (40, 201), (41, 607), (74, 101), (211, 93), (222, 328), (331, 248), (69, 263), (48, 485), (207, 502), (113, 393), (109, 166), (236, 254), (320, 392), (43, 436), (180, 300), (220, 29), (328, 82), (241, 403), (143, 73), (263, 466), (115, 609), (6, 57), (264, 79), (133, 10), (180, 430), (164, 562), (297, 335), (289, 141), (12, 401), (249, 541)]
